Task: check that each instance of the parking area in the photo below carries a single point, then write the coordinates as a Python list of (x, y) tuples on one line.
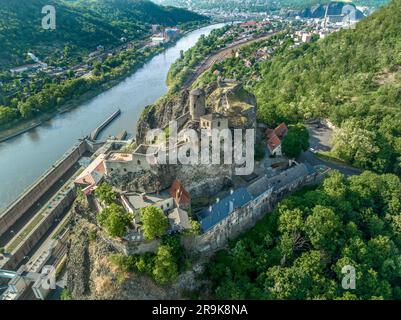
[(319, 136)]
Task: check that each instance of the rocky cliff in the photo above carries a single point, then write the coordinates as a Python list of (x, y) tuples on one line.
[(91, 275), (335, 9), (158, 115)]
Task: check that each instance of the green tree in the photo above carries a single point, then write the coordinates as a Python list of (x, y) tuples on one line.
[(105, 193), (114, 219), (296, 141), (323, 228), (154, 222)]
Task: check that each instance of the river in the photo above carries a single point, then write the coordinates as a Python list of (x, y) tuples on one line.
[(24, 158)]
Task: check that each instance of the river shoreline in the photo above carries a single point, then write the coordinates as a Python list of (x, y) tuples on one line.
[(20, 127)]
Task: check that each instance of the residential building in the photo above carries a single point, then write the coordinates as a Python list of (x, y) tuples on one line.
[(179, 220), (223, 208), (181, 197), (134, 202), (275, 137), (143, 158), (158, 39), (92, 175)]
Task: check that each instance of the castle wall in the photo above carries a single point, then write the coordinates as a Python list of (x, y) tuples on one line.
[(244, 218)]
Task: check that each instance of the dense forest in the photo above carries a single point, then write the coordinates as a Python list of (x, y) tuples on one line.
[(80, 24), (299, 251), (351, 77)]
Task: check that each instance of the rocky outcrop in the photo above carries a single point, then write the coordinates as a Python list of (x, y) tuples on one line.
[(236, 103), (205, 180), (91, 275), (144, 181), (319, 11), (78, 264), (158, 115)]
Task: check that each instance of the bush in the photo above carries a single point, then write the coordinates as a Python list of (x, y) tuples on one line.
[(105, 193), (114, 219)]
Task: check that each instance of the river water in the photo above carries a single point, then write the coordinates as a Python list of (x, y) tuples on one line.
[(24, 158)]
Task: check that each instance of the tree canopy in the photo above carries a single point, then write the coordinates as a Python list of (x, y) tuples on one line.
[(352, 77), (165, 269), (105, 193), (154, 222), (299, 250), (114, 219), (296, 141)]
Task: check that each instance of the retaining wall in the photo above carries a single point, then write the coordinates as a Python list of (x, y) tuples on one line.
[(18, 208), (39, 231)]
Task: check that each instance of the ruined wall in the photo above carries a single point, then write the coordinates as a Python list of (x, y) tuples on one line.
[(35, 192), (131, 247)]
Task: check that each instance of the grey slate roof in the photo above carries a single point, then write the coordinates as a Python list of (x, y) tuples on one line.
[(259, 186), (288, 176), (219, 211)]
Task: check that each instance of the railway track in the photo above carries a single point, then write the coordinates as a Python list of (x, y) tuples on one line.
[(220, 56)]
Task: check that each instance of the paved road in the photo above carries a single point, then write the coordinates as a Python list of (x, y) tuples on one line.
[(312, 159), (320, 140)]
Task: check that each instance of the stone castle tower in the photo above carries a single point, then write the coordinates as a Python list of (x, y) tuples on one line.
[(197, 103)]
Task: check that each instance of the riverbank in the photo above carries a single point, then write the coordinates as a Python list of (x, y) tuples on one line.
[(21, 126)]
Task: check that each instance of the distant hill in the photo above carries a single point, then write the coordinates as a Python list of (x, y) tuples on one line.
[(334, 9), (258, 5), (81, 25)]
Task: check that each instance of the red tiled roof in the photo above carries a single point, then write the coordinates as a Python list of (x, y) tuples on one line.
[(274, 137), (281, 131), (93, 173), (180, 195), (249, 24), (273, 141)]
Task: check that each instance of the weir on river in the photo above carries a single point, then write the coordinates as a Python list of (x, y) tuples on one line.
[(24, 158)]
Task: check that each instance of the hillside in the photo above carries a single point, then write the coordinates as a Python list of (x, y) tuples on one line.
[(334, 8), (81, 25), (353, 78), (257, 6), (306, 247)]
